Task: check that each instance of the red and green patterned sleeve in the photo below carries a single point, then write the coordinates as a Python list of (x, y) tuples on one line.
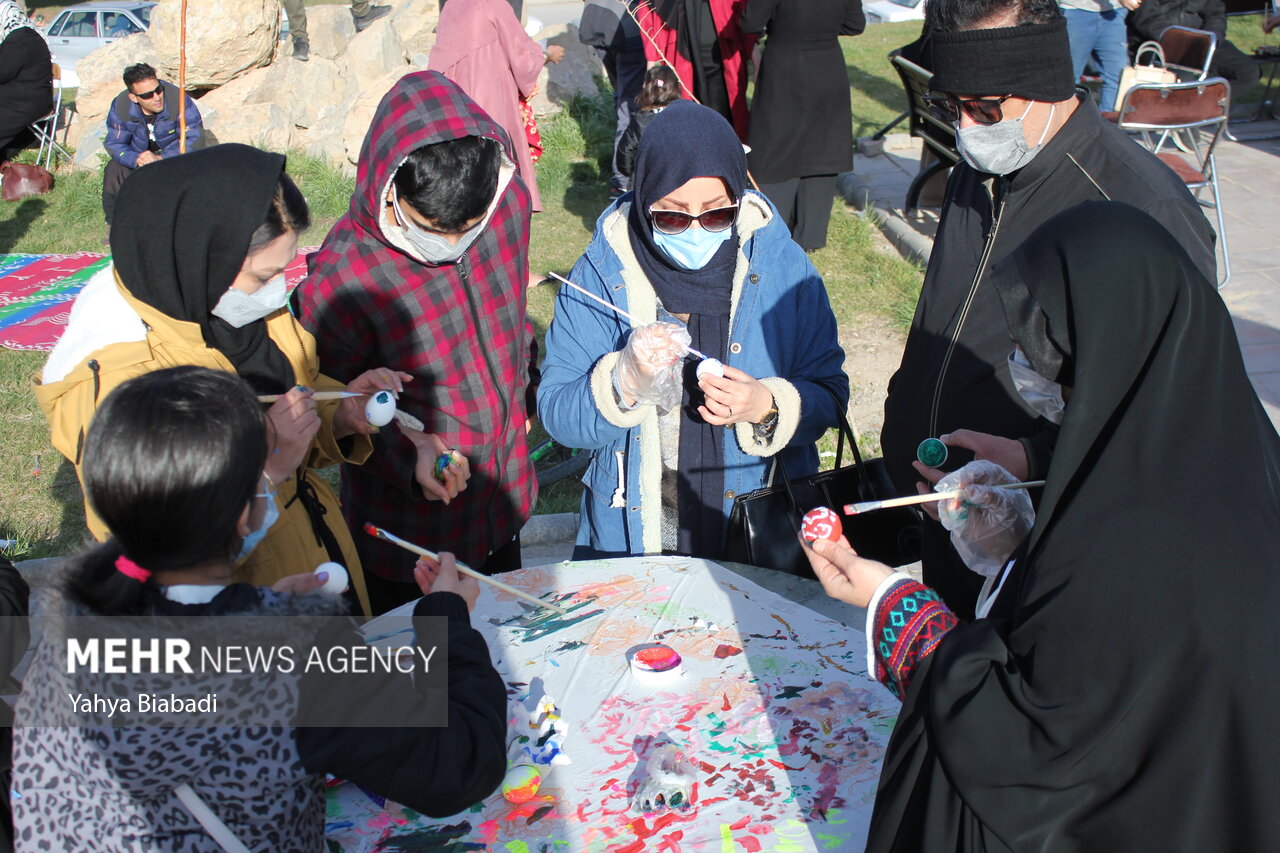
[(906, 621)]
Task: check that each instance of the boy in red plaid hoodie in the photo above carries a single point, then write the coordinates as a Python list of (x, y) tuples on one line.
[(427, 273)]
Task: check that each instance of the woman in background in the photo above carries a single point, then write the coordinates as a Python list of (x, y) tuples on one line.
[(26, 79), (801, 125)]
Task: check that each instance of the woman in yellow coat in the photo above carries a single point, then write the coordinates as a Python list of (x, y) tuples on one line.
[(200, 245)]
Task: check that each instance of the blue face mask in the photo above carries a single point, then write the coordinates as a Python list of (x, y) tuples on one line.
[(692, 248), (268, 518)]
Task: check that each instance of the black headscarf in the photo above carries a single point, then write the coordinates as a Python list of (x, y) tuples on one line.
[(687, 141), (1121, 696), (180, 235)]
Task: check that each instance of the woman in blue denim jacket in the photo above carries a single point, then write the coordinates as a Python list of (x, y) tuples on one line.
[(698, 260)]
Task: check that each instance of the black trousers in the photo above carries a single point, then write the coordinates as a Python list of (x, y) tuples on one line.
[(387, 594), (805, 205), (1240, 70), (112, 179), (626, 70)]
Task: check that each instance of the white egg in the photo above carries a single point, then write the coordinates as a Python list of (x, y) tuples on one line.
[(336, 584), (710, 365), (380, 409)]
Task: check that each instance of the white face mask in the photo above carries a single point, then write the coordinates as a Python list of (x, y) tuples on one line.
[(240, 309), (1044, 396), (1000, 148), (433, 248)]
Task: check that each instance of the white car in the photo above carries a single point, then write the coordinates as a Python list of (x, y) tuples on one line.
[(891, 11), (81, 29)]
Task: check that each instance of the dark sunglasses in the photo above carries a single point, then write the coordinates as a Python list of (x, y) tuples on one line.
[(982, 110), (154, 93), (675, 221)]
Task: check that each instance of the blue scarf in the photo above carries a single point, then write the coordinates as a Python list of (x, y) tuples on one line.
[(683, 142)]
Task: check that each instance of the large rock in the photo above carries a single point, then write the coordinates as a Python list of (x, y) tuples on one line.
[(265, 126), (330, 30), (323, 138), (225, 38), (375, 53), (415, 22), (573, 75), (104, 67), (360, 114), (298, 93)]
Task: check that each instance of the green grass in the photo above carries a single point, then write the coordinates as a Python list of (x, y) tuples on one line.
[(43, 510)]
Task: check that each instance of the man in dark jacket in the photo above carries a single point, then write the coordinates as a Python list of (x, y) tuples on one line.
[(142, 127), (1152, 17), (1033, 146)]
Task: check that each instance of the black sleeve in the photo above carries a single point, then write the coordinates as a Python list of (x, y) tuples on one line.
[(1215, 19), (757, 14), (627, 147), (1039, 448), (14, 634), (1150, 19), (855, 21), (436, 771)]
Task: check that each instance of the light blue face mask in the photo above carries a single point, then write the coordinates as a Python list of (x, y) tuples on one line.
[(692, 248), (1044, 396), (269, 518)]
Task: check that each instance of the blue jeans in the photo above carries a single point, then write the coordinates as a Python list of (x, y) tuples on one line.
[(1100, 35)]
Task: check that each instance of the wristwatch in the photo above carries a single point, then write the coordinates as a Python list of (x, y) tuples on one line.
[(765, 427)]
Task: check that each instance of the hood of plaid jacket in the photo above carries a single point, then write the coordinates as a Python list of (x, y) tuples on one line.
[(460, 329), (421, 109)]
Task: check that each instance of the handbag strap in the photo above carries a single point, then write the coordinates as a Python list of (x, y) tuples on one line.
[(843, 430), (1152, 47)]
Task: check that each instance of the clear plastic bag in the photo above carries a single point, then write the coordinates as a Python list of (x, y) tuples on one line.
[(986, 523), (667, 782), (649, 367)]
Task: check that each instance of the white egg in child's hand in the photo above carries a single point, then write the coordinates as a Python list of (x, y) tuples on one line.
[(710, 365), (380, 409), (336, 584)]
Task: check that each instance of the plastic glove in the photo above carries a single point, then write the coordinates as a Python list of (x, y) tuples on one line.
[(648, 369), (986, 523)]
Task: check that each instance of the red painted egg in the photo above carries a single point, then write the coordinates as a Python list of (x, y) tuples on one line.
[(821, 523)]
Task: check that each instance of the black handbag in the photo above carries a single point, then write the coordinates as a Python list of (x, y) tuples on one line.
[(764, 525)]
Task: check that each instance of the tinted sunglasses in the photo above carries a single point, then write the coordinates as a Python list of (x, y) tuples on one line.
[(154, 93), (982, 110), (676, 221)]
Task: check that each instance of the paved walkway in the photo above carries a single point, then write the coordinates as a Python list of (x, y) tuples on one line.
[(1249, 178)]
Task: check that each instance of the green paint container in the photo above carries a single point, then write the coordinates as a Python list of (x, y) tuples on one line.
[(932, 453)]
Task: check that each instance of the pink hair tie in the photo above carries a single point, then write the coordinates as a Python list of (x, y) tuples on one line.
[(130, 569)]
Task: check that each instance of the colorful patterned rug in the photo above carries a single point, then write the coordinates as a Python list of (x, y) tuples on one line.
[(36, 292)]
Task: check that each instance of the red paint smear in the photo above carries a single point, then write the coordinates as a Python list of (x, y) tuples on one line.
[(685, 728), (751, 845), (726, 706), (689, 713), (782, 766), (740, 823), (724, 650), (707, 768)]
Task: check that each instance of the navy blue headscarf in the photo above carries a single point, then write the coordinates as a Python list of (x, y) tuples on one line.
[(687, 141)]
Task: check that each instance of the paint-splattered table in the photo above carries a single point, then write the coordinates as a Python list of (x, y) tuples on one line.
[(774, 708)]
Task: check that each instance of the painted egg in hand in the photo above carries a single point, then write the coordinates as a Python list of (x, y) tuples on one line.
[(380, 409), (821, 523)]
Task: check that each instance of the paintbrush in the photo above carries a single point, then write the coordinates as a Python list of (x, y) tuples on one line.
[(869, 506), (319, 395), (613, 307), (377, 532)]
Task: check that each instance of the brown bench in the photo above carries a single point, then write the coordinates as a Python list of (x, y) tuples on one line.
[(939, 136)]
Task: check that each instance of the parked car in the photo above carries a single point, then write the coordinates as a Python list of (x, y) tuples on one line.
[(890, 11), (81, 29)]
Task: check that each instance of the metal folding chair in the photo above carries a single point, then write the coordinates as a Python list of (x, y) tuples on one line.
[(46, 129), (1192, 113), (1188, 52)]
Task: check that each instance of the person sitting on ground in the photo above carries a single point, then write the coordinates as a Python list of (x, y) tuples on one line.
[(209, 289), (1149, 20), (142, 128), (661, 87), (174, 465), (428, 271), (1103, 699), (698, 260), (26, 79), (362, 13)]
